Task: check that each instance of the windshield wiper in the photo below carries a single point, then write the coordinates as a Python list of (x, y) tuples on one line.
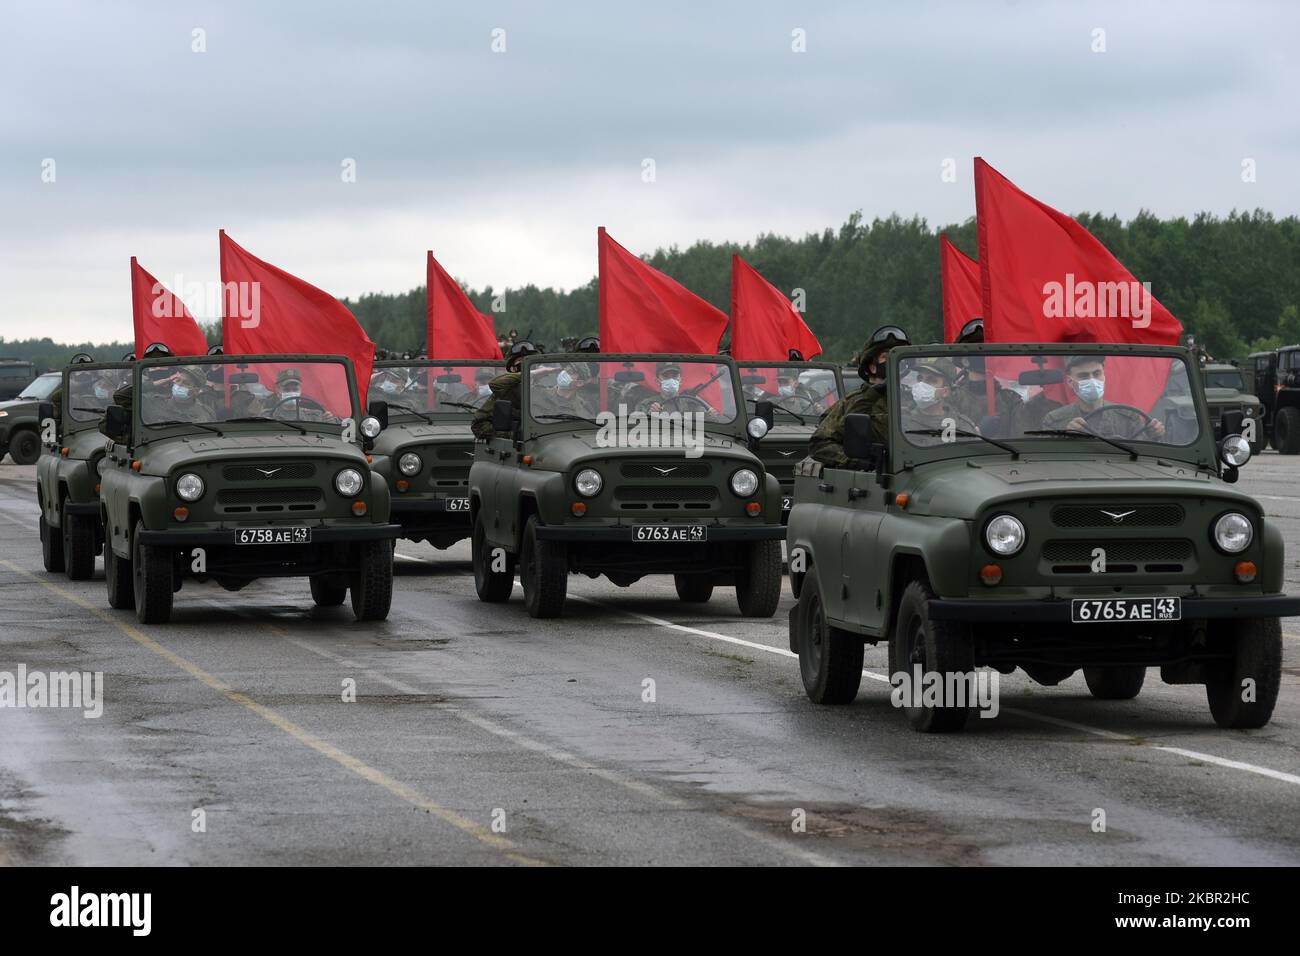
[(407, 408), (788, 411), (263, 418), (472, 408), (1067, 433), (78, 408), (209, 428), (566, 417), (961, 432)]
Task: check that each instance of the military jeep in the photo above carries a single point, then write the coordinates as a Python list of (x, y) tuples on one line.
[(20, 425), (67, 475), (238, 467), (426, 448), (626, 465), (1089, 539), (799, 394), (1226, 398)]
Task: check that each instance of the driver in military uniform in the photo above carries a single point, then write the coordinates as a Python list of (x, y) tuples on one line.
[(1086, 375), (567, 396), (827, 444), (670, 397), (932, 407), (189, 400)]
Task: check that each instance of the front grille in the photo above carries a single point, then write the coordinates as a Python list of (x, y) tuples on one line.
[(449, 477), (264, 500), (1132, 516), (1123, 556), (665, 469), (463, 453), (666, 497), (294, 471)]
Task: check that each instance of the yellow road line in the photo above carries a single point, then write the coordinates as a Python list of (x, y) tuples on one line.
[(324, 748)]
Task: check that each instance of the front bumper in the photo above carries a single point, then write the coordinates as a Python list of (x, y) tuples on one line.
[(418, 508), (328, 534), (623, 534), (1057, 610), (82, 508)]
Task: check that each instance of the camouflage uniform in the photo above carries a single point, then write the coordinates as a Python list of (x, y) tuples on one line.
[(915, 419), (1116, 424), (506, 388), (971, 400), (549, 401), (827, 444)]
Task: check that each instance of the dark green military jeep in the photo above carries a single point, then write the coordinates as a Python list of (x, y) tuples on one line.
[(237, 467), (20, 426), (67, 475), (426, 448), (799, 393), (626, 465), (1094, 538)]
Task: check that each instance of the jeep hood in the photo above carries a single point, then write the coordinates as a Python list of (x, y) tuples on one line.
[(161, 456), (561, 451), (422, 433)]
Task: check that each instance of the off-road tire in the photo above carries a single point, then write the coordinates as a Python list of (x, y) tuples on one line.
[(1256, 654), (1286, 431), (79, 545), (830, 659), (1115, 683), (51, 547), (152, 573), (326, 594), (693, 588), (372, 581), (25, 447), (543, 571), (118, 580), (944, 647), (758, 582), (492, 587)]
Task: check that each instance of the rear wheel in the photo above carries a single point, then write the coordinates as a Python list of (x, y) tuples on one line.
[(936, 647), (51, 546), (1115, 683), (25, 447), (78, 545), (152, 575), (118, 578), (1243, 689), (544, 572), (758, 582), (326, 593), (494, 571), (372, 581), (1286, 431), (693, 588), (830, 660)]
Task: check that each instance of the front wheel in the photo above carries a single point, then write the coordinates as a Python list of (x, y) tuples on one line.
[(78, 545), (543, 572), (494, 569), (693, 588), (924, 647), (25, 447), (1243, 689), (1286, 431), (152, 574), (1115, 683), (758, 582), (372, 581), (51, 546), (327, 594), (830, 659)]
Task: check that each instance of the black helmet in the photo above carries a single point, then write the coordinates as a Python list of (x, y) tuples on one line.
[(81, 358), (216, 350), (129, 356), (518, 352), (883, 339), (971, 332), (157, 350), (588, 344), (796, 355)]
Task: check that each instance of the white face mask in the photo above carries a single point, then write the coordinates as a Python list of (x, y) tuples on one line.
[(564, 380), (923, 393), (787, 391), (388, 387), (180, 392), (1090, 389), (483, 389), (670, 386), (290, 393), (102, 393)]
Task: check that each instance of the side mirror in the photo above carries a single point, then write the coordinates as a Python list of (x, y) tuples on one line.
[(764, 411), (44, 410), (858, 435), (1230, 421), (379, 410), (503, 418), (117, 423)]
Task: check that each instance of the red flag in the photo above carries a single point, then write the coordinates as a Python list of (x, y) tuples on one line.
[(160, 316), (1047, 279), (962, 296), (455, 328), (276, 313), (765, 326), (642, 310)]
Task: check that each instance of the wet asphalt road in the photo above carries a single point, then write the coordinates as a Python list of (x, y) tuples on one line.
[(481, 736)]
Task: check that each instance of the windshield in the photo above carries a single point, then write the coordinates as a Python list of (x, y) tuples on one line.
[(220, 391), (1225, 379), (42, 388), (561, 391), (1126, 398), (456, 389), (90, 391), (795, 391)]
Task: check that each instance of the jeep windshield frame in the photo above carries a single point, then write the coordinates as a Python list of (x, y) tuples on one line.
[(413, 403), (78, 392), (815, 403), (715, 378), (334, 370), (906, 453)]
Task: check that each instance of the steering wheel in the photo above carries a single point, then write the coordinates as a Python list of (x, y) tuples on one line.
[(299, 401), (685, 404), (796, 403), (1143, 427)]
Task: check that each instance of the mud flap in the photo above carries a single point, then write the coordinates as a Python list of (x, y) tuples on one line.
[(794, 639)]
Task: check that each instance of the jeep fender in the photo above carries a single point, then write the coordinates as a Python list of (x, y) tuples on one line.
[(937, 548), (1274, 559)]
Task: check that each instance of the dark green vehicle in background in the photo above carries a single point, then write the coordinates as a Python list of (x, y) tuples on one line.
[(20, 423), (214, 474), (569, 493), (426, 448), (799, 393), (15, 376), (1225, 390), (67, 475), (1111, 549)]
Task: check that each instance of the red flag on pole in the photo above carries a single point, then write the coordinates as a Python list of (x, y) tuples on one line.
[(765, 325), (1047, 279), (160, 316), (962, 296), (643, 310), (277, 313), (455, 328)]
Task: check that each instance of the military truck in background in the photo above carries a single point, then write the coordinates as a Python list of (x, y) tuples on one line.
[(20, 424), (15, 375), (1226, 395), (426, 447), (1276, 377), (67, 475)]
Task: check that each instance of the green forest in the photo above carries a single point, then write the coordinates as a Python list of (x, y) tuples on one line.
[(1234, 283)]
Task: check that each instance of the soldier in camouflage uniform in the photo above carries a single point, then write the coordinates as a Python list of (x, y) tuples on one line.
[(827, 444), (567, 396), (970, 387), (932, 405), (1086, 375), (505, 388)]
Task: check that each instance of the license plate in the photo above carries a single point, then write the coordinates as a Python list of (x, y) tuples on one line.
[(787, 502), (458, 504), (670, 532), (1112, 610), (273, 536)]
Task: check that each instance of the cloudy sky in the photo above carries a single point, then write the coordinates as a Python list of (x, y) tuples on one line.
[(504, 162)]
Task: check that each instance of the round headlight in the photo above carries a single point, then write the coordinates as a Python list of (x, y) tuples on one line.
[(348, 482), (410, 463), (189, 487), (1233, 532), (1005, 535), (1235, 451), (744, 482), (370, 426), (588, 482), (757, 428)]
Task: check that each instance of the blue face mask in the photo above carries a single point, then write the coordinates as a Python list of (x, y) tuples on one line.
[(180, 391), (484, 389), (1090, 390), (787, 391), (388, 387), (669, 387), (564, 380)]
